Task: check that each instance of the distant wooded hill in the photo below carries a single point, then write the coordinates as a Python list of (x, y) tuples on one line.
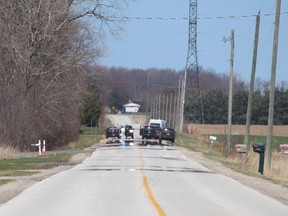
[(118, 85)]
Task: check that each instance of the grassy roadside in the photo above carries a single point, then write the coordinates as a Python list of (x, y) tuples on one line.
[(237, 162), (31, 165), (27, 166)]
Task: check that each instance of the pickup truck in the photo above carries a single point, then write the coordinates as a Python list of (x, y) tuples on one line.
[(148, 132)]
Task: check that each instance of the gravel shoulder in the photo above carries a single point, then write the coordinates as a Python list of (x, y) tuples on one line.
[(20, 183)]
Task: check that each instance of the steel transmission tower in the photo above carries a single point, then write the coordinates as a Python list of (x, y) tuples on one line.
[(191, 78)]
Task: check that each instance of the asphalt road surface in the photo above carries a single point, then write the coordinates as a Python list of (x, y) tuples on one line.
[(140, 180)]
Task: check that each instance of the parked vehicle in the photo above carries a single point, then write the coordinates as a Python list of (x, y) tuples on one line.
[(129, 131), (158, 130), (148, 132), (112, 132), (167, 134), (158, 123)]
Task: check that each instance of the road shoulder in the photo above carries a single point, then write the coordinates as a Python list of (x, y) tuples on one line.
[(264, 186)]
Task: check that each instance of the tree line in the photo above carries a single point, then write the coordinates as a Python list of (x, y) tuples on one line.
[(144, 86), (215, 103)]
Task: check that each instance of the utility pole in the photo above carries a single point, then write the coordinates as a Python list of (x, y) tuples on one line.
[(147, 91), (159, 103), (182, 101), (175, 110), (153, 108), (166, 111), (272, 83), (170, 110), (228, 147), (179, 113), (252, 81)]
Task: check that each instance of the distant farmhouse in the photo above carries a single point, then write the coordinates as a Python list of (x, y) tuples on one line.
[(131, 107)]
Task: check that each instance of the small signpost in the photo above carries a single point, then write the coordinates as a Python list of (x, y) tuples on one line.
[(41, 150), (212, 139)]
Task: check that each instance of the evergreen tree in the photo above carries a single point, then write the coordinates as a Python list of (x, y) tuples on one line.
[(92, 108)]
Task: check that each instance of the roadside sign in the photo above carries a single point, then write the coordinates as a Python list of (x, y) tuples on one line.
[(37, 144)]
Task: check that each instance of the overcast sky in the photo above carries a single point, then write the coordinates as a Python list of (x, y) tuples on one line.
[(163, 43)]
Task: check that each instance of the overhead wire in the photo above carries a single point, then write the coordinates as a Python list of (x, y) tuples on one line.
[(199, 18)]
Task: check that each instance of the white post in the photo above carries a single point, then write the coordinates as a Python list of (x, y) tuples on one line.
[(44, 148), (39, 147)]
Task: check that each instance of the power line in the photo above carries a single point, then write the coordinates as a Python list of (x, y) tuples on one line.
[(199, 18)]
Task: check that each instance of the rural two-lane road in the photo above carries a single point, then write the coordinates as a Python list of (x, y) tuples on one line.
[(140, 180)]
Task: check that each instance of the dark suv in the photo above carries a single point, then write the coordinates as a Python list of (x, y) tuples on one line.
[(148, 132), (112, 132), (167, 134)]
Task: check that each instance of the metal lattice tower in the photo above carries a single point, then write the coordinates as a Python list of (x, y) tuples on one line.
[(191, 77), (192, 59)]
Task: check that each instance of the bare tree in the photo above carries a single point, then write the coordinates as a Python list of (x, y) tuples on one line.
[(44, 44)]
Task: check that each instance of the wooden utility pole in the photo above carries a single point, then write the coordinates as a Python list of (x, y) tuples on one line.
[(170, 110), (182, 101), (159, 104), (178, 109), (154, 108), (175, 110), (272, 83), (252, 81), (228, 147), (166, 111), (147, 93)]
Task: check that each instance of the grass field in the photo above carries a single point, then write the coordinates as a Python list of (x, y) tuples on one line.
[(260, 130), (258, 133), (31, 165)]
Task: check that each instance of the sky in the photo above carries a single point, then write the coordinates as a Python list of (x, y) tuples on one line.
[(163, 43)]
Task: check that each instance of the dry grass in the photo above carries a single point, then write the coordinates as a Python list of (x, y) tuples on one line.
[(279, 167), (202, 129), (278, 171), (6, 152)]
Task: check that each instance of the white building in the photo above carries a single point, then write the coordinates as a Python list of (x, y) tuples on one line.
[(131, 107)]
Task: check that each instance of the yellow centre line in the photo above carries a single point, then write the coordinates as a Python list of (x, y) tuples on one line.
[(148, 189)]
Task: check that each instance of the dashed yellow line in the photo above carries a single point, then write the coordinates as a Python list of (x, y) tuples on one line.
[(149, 191)]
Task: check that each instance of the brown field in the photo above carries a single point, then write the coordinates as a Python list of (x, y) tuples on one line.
[(203, 129)]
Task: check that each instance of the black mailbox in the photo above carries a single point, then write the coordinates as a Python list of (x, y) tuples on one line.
[(260, 148)]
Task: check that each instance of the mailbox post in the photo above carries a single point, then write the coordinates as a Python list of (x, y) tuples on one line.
[(260, 149), (212, 139)]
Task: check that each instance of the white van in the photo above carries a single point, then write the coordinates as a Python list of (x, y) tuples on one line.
[(158, 122)]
